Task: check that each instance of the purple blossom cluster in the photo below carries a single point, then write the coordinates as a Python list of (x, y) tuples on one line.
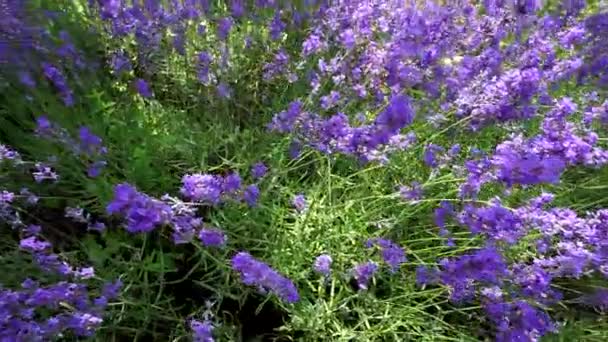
[(370, 142), (214, 189), (144, 213), (257, 273), (38, 312), (541, 158), (149, 23), (391, 253), (87, 146), (43, 309)]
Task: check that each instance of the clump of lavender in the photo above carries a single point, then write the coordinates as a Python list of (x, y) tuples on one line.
[(257, 273), (142, 212), (202, 188)]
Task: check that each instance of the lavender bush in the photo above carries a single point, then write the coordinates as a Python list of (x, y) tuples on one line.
[(315, 170)]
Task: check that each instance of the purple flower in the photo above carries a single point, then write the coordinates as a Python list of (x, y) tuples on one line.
[(255, 272), (299, 203), (59, 82), (142, 87), (111, 290), (347, 37), (398, 114), (211, 237), (202, 188), (120, 63), (413, 192), (312, 44), (89, 142), (223, 90), (26, 79), (363, 273), (392, 253), (231, 183), (430, 157), (6, 197), (237, 8), (223, 28), (202, 331), (95, 169), (44, 172), (461, 274), (518, 320), (43, 125), (33, 244), (276, 26), (598, 299), (322, 264), (184, 227), (85, 273), (251, 194), (425, 276), (142, 212), (258, 170)]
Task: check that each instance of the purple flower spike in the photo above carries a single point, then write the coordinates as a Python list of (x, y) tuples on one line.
[(299, 202), (258, 170), (212, 237), (202, 188), (255, 272), (143, 88), (363, 273), (251, 194), (322, 264), (202, 331), (392, 253)]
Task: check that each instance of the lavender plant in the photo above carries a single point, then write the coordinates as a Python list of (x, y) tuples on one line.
[(353, 170)]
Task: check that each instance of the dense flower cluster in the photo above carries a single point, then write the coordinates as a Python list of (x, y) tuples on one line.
[(42, 309), (255, 272)]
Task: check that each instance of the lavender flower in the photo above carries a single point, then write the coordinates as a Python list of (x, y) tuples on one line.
[(202, 331), (231, 183), (258, 170), (392, 253), (255, 272), (223, 28), (212, 237), (142, 87), (322, 264), (202, 188), (43, 173), (412, 193), (299, 203), (251, 194), (363, 273), (143, 213)]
